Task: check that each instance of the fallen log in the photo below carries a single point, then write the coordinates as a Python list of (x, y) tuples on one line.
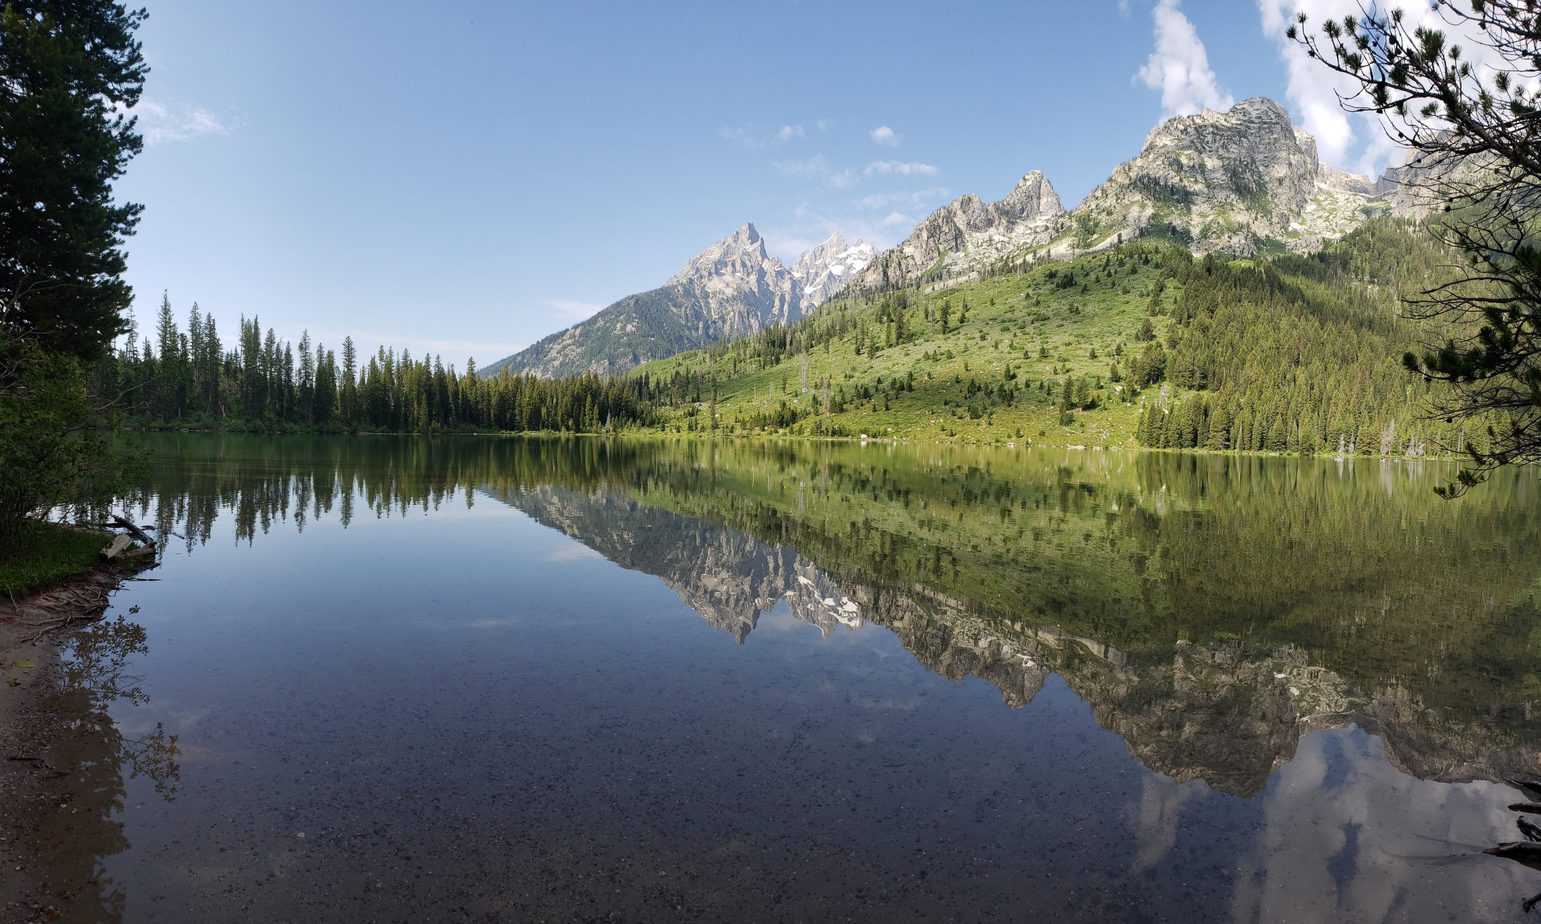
[(133, 530)]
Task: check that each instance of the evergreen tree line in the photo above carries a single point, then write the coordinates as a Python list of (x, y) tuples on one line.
[(1299, 354), (190, 377)]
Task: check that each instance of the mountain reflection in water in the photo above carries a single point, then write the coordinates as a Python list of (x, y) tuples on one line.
[(1317, 667)]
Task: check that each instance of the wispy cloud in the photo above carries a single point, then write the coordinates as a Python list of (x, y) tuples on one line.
[(1179, 65), (896, 219), (900, 168), (913, 199), (570, 310), (741, 134), (885, 136), (757, 137), (163, 124), (816, 167)]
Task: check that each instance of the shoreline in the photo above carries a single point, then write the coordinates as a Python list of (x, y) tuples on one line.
[(707, 436), (35, 784)]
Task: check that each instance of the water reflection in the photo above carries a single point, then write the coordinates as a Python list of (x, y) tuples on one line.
[(1210, 609), (70, 833), (1322, 664)]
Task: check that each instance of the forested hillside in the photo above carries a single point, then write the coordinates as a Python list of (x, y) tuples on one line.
[(1142, 343)]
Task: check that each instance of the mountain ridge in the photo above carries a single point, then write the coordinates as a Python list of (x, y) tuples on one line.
[(1245, 181), (733, 288)]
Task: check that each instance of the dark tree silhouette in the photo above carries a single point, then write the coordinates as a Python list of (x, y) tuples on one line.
[(69, 73)]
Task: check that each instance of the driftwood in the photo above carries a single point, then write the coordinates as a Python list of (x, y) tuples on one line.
[(119, 546), (81, 600), (135, 531)]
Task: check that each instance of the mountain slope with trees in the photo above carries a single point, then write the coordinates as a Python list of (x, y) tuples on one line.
[(1143, 343)]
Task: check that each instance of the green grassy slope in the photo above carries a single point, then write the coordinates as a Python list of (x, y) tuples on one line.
[(1289, 354), (48, 553), (996, 375)]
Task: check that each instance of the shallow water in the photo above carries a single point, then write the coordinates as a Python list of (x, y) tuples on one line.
[(468, 679)]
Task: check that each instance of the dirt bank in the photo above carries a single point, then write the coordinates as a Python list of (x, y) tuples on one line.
[(35, 720)]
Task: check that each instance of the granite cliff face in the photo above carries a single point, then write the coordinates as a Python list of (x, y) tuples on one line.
[(738, 287), (1237, 181), (1241, 181), (732, 289), (967, 235)]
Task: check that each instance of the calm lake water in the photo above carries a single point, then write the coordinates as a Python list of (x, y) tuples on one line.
[(498, 679)]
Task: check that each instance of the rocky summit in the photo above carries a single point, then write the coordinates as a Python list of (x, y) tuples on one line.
[(1242, 181), (968, 234), (1238, 181), (730, 289)]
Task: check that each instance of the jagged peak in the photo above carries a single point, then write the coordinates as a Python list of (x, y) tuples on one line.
[(1252, 108), (1033, 195), (743, 242)]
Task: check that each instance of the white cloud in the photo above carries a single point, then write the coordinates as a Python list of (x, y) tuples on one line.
[(788, 132), (885, 136), (1352, 141), (900, 168), (896, 218), (1179, 65), (163, 124), (1123, 7)]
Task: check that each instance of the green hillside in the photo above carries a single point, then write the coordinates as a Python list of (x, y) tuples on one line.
[(1141, 344)]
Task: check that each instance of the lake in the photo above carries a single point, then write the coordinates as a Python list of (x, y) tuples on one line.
[(506, 679)]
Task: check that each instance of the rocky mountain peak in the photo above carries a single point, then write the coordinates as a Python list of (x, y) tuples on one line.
[(1031, 197), (742, 252), (967, 235), (826, 268), (1233, 181)]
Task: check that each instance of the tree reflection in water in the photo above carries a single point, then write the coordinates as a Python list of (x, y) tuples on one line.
[(79, 822)]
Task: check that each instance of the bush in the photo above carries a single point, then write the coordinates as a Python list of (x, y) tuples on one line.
[(52, 458)]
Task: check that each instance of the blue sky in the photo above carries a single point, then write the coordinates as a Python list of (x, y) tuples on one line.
[(465, 178)]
